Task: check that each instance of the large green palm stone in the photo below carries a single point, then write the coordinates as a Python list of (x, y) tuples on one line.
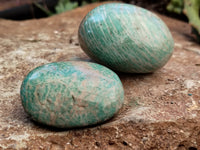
[(126, 38), (71, 94)]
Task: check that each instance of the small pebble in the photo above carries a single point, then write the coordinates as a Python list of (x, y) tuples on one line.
[(126, 38), (71, 94)]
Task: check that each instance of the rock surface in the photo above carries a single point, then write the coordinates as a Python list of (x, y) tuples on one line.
[(71, 94), (161, 110)]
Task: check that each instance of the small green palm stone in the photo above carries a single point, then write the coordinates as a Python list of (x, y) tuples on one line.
[(71, 94), (126, 38)]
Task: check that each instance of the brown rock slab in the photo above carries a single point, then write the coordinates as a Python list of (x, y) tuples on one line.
[(161, 110)]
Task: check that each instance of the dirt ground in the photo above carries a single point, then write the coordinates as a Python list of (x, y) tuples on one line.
[(161, 110)]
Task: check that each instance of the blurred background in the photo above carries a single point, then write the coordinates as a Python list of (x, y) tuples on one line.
[(28, 9), (187, 10)]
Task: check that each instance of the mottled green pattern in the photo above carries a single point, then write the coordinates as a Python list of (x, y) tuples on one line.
[(126, 38), (71, 94)]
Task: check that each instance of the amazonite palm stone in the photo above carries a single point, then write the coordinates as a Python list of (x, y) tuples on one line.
[(71, 94), (126, 38)]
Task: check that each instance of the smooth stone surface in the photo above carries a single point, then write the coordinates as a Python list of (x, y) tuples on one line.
[(126, 38), (71, 94)]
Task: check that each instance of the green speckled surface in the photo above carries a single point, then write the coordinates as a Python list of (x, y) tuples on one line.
[(71, 94), (126, 38)]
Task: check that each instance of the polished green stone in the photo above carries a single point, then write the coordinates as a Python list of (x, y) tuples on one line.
[(126, 38), (71, 94)]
